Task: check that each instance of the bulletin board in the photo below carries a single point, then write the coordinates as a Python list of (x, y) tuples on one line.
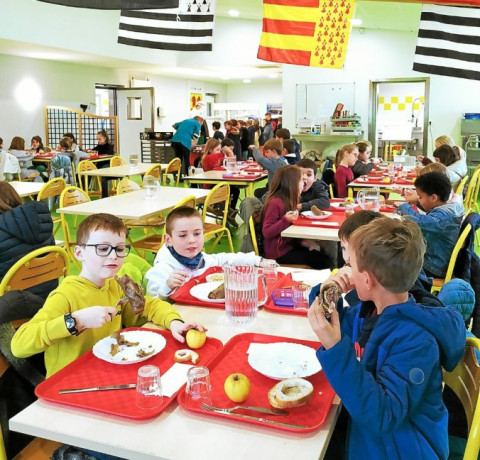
[(318, 100)]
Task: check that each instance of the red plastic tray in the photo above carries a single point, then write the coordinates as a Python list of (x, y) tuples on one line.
[(270, 305), (233, 358), (44, 156), (242, 176), (337, 217), (183, 296), (402, 181), (340, 200), (90, 371)]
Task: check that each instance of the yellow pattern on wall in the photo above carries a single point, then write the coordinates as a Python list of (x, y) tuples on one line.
[(394, 100), (387, 106), (401, 106)]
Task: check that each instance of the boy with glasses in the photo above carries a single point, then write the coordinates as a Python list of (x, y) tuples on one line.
[(82, 311)]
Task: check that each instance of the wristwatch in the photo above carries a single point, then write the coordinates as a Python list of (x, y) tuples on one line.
[(71, 324)]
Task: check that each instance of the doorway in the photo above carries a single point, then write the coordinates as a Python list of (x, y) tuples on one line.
[(398, 116)]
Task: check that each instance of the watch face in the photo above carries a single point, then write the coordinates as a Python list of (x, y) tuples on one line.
[(70, 322)]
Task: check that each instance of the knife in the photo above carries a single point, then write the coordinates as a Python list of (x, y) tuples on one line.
[(110, 387), (265, 420)]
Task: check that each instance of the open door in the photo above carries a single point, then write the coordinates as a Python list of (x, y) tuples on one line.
[(135, 115)]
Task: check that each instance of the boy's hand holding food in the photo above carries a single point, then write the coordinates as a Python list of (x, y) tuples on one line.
[(328, 332), (177, 278), (343, 278), (93, 317)]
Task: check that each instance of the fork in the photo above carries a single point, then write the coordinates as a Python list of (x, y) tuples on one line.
[(120, 302), (229, 410)]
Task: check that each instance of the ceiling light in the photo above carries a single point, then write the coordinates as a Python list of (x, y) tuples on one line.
[(225, 78), (272, 75), (356, 22), (247, 80), (233, 13)]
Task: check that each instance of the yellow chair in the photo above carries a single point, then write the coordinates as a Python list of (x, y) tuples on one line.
[(464, 381), (153, 243), (220, 197), (174, 168), (84, 166), (470, 200), (461, 185), (438, 282), (126, 186), (117, 160), (155, 170), (253, 235), (69, 197), (54, 187)]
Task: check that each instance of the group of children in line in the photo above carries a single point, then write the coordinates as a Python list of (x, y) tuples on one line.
[(383, 357)]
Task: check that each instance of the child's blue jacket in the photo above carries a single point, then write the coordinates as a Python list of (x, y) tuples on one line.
[(394, 394)]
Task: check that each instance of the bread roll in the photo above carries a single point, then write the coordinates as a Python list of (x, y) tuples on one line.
[(218, 293), (316, 211), (290, 393)]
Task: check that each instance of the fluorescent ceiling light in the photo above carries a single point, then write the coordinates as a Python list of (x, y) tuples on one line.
[(247, 80), (356, 22), (233, 13)]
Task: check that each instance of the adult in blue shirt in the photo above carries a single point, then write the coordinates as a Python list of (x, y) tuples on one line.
[(187, 132)]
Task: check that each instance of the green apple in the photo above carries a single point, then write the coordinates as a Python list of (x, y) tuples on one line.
[(237, 387), (195, 339)]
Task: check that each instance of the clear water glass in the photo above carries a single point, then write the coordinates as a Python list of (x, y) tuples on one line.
[(230, 164), (150, 186), (133, 161), (300, 296), (199, 389), (149, 388), (270, 271)]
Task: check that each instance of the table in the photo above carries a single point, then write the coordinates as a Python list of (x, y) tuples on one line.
[(134, 205), (117, 172), (215, 177), (176, 433), (357, 185), (27, 188)]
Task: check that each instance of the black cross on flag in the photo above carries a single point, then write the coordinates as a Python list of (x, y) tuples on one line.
[(115, 4)]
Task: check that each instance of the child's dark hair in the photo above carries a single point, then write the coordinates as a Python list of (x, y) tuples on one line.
[(179, 213), (307, 164), (39, 140), (101, 221), (18, 143), (227, 142), (435, 183), (445, 154), (216, 125), (65, 143), (357, 220), (274, 144), (104, 133), (362, 146), (71, 136), (289, 145), (283, 133)]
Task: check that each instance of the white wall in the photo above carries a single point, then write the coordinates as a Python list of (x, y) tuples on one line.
[(378, 55)]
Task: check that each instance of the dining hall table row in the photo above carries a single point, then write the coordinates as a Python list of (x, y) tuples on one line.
[(181, 434)]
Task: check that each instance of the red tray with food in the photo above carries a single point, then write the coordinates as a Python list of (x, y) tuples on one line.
[(332, 221), (204, 284), (233, 358), (278, 301), (338, 205), (402, 181), (241, 176), (90, 371), (43, 156)]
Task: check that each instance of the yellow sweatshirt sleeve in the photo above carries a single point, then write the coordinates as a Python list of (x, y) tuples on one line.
[(156, 310)]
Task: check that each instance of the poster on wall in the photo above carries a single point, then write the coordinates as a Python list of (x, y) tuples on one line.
[(274, 109), (194, 99)]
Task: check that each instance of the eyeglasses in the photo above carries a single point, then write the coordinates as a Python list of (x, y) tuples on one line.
[(104, 250)]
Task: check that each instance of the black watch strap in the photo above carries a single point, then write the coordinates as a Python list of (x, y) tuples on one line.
[(71, 324)]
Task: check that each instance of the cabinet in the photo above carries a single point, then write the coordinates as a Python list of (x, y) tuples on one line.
[(156, 147), (326, 144), (470, 129)]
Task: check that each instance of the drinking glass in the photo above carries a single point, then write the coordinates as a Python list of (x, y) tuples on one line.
[(133, 160), (369, 199), (349, 209), (199, 389), (230, 164), (241, 293), (150, 186), (149, 387), (270, 273), (300, 296)]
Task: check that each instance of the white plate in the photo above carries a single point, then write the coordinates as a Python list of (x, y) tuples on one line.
[(215, 277), (338, 204), (311, 215), (201, 291), (148, 341), (283, 360)]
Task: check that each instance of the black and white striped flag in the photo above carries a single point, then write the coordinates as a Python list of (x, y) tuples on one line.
[(449, 42), (186, 28), (115, 4)]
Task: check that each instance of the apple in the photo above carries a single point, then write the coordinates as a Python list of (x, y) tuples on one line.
[(195, 339), (237, 387)]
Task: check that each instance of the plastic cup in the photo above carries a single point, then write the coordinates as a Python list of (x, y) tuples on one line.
[(349, 209), (149, 387), (198, 388), (300, 296), (270, 273)]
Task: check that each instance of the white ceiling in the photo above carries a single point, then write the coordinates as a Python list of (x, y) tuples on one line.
[(374, 15)]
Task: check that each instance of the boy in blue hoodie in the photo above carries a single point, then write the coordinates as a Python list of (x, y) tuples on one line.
[(441, 223), (389, 377)]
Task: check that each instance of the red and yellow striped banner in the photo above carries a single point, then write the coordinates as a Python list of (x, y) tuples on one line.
[(306, 32)]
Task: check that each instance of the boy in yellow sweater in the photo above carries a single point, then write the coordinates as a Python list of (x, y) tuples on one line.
[(81, 311)]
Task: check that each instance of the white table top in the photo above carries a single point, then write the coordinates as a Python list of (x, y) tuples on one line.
[(134, 205), (27, 188), (391, 187), (121, 171), (176, 433), (218, 176)]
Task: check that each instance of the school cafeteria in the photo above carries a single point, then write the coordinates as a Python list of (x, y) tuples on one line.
[(239, 229)]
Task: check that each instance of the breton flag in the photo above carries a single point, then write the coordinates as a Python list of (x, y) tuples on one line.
[(115, 4), (449, 42), (188, 27), (306, 32)]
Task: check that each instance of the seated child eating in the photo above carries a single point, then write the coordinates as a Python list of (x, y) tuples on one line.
[(81, 311), (390, 377), (345, 159), (441, 223), (181, 257), (315, 191)]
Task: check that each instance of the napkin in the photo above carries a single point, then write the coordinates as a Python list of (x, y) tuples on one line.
[(310, 277), (174, 378)]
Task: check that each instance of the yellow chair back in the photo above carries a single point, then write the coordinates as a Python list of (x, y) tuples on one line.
[(117, 160), (54, 187), (126, 186), (253, 235), (84, 166), (155, 170), (470, 200), (461, 185), (175, 168)]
